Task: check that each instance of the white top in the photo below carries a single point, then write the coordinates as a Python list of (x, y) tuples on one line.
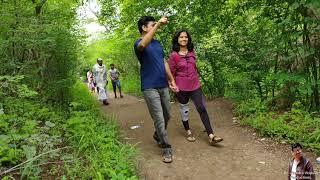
[(294, 170), (114, 74), (100, 75)]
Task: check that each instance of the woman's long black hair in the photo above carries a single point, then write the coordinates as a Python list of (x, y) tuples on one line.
[(175, 44)]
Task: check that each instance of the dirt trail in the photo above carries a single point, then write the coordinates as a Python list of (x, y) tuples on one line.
[(241, 156)]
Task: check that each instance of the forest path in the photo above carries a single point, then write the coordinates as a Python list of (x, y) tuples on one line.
[(242, 155)]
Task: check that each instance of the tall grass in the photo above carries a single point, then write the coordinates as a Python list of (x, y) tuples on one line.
[(36, 140), (95, 141), (131, 85)]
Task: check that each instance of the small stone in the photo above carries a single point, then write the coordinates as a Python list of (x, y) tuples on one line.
[(263, 139), (254, 134), (262, 162), (134, 127)]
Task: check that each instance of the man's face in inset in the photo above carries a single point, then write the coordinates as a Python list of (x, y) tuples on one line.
[(297, 152), (112, 66)]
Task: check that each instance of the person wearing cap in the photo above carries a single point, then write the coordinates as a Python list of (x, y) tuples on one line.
[(100, 80), (299, 166)]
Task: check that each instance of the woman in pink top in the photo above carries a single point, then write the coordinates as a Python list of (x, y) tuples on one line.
[(182, 62)]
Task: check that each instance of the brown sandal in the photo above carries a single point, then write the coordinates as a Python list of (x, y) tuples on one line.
[(190, 137), (215, 140)]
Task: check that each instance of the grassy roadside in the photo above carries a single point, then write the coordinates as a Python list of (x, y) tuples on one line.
[(295, 125), (95, 139), (38, 141)]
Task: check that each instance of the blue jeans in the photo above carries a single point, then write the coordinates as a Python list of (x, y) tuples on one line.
[(158, 102), (116, 84)]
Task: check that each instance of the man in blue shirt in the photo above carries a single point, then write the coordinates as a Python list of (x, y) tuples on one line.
[(155, 78)]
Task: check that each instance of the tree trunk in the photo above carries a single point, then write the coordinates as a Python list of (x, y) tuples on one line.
[(259, 89), (39, 6), (311, 59), (14, 29)]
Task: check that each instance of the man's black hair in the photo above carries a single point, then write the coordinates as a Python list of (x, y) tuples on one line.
[(143, 21), (112, 64), (295, 145)]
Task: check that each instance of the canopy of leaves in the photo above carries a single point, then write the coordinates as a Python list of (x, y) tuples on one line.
[(246, 49)]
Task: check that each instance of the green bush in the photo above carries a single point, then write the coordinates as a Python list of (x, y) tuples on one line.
[(30, 128), (293, 126), (249, 107)]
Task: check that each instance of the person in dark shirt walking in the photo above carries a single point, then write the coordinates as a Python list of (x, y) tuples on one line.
[(155, 78)]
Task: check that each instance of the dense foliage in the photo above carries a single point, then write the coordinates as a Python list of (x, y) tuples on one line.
[(248, 49), (263, 54), (50, 125)]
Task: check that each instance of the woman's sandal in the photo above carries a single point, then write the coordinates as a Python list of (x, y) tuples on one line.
[(190, 137), (215, 140)]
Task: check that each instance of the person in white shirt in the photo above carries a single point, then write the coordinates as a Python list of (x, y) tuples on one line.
[(300, 167), (100, 80), (114, 76)]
